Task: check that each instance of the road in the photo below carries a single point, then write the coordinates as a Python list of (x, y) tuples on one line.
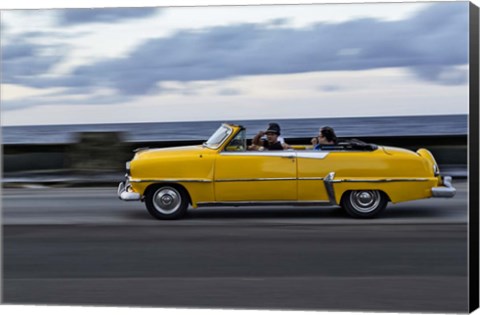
[(84, 246)]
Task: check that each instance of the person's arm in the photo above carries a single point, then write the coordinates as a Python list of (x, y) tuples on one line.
[(256, 140), (285, 145)]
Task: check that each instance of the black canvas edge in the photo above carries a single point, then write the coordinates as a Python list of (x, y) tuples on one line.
[(473, 160)]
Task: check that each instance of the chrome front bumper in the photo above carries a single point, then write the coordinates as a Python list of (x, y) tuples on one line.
[(446, 191), (126, 195)]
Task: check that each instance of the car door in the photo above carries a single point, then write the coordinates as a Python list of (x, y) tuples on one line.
[(251, 176), (312, 168)]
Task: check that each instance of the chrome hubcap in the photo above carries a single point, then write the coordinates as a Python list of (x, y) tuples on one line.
[(167, 200), (365, 201)]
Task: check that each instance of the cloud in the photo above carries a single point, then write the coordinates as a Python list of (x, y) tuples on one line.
[(24, 62), (434, 40), (73, 97), (443, 75), (42, 35), (105, 15), (18, 51), (229, 92), (432, 44), (330, 88), (3, 27)]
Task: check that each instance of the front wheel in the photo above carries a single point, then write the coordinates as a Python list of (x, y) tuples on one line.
[(166, 202), (364, 203)]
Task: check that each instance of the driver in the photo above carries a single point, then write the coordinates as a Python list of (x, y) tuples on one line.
[(272, 139)]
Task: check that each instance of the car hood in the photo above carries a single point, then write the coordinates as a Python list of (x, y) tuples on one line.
[(169, 152)]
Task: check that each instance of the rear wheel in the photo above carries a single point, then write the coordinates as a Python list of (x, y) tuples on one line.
[(166, 202), (364, 203)]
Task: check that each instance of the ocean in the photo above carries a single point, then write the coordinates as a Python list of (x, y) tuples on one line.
[(201, 130)]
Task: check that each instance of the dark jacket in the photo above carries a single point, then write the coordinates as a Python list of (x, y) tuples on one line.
[(274, 146)]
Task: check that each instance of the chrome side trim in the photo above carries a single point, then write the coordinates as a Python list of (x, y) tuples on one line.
[(328, 181), (385, 180), (286, 153), (252, 179), (264, 203), (319, 155), (279, 153), (446, 191), (195, 180), (171, 180)]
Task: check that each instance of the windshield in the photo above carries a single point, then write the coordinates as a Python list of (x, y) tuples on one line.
[(218, 137), (238, 143)]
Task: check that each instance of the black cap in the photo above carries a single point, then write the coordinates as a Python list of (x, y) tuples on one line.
[(273, 127)]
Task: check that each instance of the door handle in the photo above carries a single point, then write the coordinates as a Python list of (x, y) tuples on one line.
[(288, 157)]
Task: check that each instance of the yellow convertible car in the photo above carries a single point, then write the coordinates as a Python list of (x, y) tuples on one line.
[(361, 178)]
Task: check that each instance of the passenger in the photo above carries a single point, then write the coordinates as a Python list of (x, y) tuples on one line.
[(272, 139), (326, 136)]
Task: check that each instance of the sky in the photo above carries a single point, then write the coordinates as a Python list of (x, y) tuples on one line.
[(155, 64)]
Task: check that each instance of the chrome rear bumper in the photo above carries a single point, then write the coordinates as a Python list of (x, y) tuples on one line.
[(125, 195), (446, 191)]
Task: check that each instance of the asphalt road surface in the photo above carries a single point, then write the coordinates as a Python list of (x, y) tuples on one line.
[(83, 246)]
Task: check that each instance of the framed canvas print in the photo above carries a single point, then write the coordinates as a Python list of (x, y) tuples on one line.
[(300, 156)]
